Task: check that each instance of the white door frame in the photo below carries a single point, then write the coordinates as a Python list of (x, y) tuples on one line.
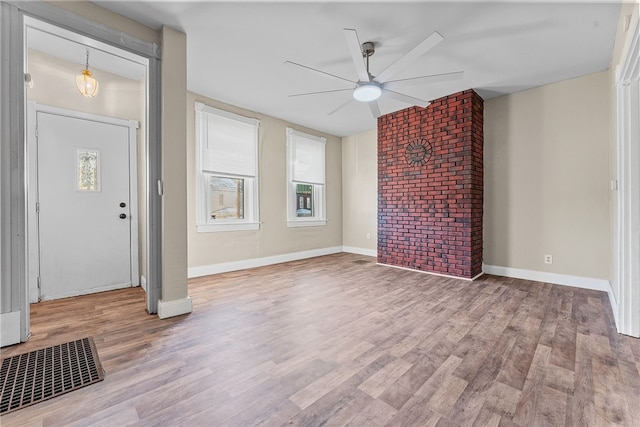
[(626, 277), (33, 261)]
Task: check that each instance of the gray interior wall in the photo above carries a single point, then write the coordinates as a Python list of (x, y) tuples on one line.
[(12, 174)]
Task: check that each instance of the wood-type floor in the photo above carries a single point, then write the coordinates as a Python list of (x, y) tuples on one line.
[(339, 340)]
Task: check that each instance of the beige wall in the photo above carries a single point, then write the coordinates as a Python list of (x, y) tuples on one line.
[(55, 84), (546, 178), (360, 191), (119, 97), (273, 237)]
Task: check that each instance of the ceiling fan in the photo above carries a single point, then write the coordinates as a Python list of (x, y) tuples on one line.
[(369, 88)]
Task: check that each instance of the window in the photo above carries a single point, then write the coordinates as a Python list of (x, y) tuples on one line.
[(233, 188), (305, 179), (227, 170), (87, 169)]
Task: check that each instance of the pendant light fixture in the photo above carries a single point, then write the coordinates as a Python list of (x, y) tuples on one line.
[(87, 84)]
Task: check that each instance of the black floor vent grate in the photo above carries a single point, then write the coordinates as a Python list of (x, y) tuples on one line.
[(42, 374)]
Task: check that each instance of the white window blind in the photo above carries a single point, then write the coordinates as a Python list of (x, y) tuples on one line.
[(230, 146), (308, 157)]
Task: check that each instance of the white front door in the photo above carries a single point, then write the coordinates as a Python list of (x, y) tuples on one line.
[(84, 205)]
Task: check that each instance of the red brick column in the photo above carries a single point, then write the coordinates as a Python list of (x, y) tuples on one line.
[(430, 186)]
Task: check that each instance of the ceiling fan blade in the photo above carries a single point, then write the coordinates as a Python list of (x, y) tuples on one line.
[(320, 92), (434, 78), (375, 110), (318, 71), (406, 98), (355, 49), (339, 107), (411, 56)]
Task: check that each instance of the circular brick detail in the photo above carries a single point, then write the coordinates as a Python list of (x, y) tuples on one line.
[(418, 152)]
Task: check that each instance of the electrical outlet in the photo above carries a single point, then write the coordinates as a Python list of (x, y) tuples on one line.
[(368, 236), (548, 259)]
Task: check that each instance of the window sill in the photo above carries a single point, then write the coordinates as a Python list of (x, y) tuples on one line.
[(238, 226), (306, 223)]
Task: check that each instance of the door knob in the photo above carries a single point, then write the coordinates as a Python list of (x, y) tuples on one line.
[(123, 205), (123, 216)]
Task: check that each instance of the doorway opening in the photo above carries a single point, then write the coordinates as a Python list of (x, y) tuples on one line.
[(74, 244), (53, 57)]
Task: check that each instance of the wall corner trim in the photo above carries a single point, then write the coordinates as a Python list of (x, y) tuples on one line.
[(553, 278), (173, 308), (360, 251)]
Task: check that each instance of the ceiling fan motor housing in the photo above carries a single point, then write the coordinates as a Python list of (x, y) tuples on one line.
[(368, 49)]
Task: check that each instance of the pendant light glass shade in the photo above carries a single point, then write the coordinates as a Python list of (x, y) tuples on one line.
[(86, 83)]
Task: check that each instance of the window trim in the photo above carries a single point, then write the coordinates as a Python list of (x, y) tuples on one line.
[(251, 204), (320, 194)]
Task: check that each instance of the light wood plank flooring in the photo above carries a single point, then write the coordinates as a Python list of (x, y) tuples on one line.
[(339, 340)]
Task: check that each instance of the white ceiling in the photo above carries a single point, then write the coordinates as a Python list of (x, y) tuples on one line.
[(236, 51)]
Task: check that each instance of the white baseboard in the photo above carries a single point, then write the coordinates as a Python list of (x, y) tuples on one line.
[(554, 278), (143, 283), (448, 276), (360, 251), (174, 308), (224, 267), (9, 328)]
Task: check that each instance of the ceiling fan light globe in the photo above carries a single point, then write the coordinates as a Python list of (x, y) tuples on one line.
[(367, 92)]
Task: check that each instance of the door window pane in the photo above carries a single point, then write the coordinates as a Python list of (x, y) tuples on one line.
[(87, 164)]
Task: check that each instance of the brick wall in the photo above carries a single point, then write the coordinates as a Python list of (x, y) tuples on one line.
[(430, 186)]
